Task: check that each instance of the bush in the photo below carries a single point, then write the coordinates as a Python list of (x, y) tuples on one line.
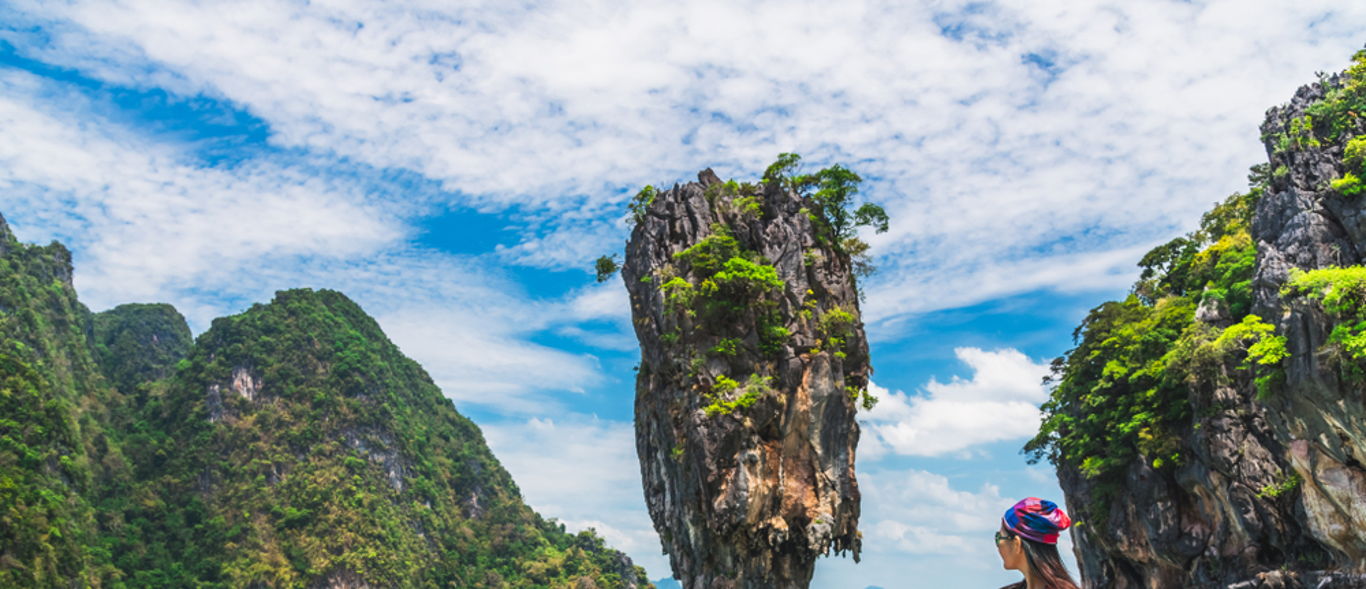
[(1342, 292)]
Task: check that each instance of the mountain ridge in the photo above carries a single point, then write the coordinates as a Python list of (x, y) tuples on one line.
[(291, 444)]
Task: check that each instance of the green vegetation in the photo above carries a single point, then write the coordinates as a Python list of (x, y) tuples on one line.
[(1337, 111), (1354, 159), (641, 202), (1122, 394), (1281, 487), (605, 267), (728, 396), (1348, 185), (55, 455), (330, 447), (723, 299), (830, 193), (1342, 294), (1329, 118), (727, 346), (734, 285), (291, 444), (861, 396), (136, 344), (750, 205), (1265, 351)]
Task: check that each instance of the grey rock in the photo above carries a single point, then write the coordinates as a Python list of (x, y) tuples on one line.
[(751, 498), (1216, 519)]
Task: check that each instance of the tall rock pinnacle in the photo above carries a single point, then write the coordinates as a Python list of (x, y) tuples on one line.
[(753, 360)]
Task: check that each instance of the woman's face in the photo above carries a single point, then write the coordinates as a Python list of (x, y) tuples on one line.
[(1011, 549)]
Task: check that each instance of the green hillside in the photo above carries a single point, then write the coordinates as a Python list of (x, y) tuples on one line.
[(292, 445)]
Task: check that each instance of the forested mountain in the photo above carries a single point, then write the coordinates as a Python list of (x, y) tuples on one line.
[(290, 445), (1210, 429)]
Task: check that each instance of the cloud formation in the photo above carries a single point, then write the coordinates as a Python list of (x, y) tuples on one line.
[(583, 471), (1018, 146), (146, 224), (1000, 401), (1000, 135)]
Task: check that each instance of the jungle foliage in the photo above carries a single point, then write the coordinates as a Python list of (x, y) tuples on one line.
[(291, 445), (1122, 393)]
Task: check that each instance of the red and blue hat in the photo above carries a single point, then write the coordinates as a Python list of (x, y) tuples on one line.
[(1036, 519)]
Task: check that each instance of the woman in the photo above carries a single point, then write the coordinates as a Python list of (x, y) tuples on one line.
[(1028, 542)]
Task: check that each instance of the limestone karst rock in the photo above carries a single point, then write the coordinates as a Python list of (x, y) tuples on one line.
[(753, 359), (1249, 471)]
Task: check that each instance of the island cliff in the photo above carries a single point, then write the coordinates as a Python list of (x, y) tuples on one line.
[(753, 361), (1210, 431)]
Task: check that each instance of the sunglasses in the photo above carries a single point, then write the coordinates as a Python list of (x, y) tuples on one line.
[(1002, 537)]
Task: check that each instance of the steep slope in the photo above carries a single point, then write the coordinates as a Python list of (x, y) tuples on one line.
[(1208, 431), (753, 359), (52, 444), (302, 448), (292, 445)]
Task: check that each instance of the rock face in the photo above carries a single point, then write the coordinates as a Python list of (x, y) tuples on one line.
[(1271, 488), (752, 360), (1321, 422)]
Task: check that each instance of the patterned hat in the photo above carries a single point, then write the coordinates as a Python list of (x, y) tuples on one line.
[(1037, 519)]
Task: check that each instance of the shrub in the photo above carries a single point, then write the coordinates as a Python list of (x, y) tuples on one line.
[(1342, 292), (605, 267), (641, 202), (755, 387)]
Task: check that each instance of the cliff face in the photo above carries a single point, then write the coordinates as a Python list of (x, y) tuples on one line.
[(752, 361), (1247, 470), (1310, 221)]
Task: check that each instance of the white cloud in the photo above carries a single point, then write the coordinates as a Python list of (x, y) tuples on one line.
[(1001, 175), (924, 523), (146, 224), (583, 471), (569, 246), (477, 361), (999, 402), (919, 512), (147, 221), (1001, 135)]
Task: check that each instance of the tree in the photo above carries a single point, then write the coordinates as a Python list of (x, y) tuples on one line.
[(831, 192), (605, 267)]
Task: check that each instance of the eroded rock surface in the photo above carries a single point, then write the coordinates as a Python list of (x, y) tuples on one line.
[(1270, 490), (749, 378)]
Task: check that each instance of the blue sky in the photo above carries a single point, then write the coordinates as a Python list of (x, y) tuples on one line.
[(456, 169)]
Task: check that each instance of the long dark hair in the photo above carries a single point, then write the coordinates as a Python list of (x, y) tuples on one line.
[(1044, 561)]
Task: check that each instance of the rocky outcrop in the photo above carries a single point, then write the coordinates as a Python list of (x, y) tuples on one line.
[(1270, 490), (1320, 419), (752, 361)]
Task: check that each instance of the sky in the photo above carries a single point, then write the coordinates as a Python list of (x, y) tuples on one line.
[(455, 167)]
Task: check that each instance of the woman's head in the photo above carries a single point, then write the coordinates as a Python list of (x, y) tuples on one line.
[(1027, 542)]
